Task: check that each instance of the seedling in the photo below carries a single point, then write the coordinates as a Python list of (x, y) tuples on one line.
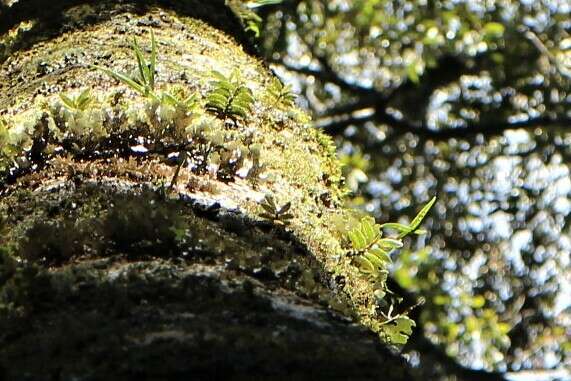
[(179, 101), (79, 103), (144, 82), (278, 215)]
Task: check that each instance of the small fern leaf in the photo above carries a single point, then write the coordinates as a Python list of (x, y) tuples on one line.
[(381, 255), (390, 243), (420, 216), (365, 266), (358, 240)]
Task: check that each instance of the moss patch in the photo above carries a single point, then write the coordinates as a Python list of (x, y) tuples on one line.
[(128, 140)]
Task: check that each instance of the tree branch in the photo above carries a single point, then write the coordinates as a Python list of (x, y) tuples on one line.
[(326, 76), (402, 126)]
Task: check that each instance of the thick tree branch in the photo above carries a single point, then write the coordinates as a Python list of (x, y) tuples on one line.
[(326, 76), (402, 126)]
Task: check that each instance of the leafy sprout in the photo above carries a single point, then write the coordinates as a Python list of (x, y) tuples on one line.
[(229, 96), (244, 10), (79, 103), (179, 101), (144, 81), (372, 250), (279, 215), (281, 93), (372, 255), (414, 225)]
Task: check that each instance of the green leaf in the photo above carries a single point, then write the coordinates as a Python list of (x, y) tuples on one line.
[(370, 229), (261, 3), (365, 266), (375, 260), (357, 238), (420, 216), (67, 101), (122, 78), (381, 254), (153, 63), (400, 329), (390, 243)]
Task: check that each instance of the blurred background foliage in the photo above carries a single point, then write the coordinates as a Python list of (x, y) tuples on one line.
[(468, 101)]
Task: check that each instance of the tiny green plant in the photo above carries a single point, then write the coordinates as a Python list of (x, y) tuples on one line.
[(79, 103), (372, 255), (229, 96), (281, 93), (144, 81), (179, 100), (405, 230), (250, 19), (372, 250), (279, 215)]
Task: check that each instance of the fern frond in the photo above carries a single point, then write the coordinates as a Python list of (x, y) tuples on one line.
[(229, 96), (281, 93)]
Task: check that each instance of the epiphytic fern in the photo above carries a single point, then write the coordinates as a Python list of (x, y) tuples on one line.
[(281, 93), (229, 96), (372, 251)]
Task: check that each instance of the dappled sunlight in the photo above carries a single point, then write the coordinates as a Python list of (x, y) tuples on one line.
[(467, 101)]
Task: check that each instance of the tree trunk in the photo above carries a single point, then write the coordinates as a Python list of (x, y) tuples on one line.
[(140, 239)]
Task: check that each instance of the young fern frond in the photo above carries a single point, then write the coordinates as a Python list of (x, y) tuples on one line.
[(372, 250), (405, 230), (229, 97), (183, 103), (281, 93), (372, 255)]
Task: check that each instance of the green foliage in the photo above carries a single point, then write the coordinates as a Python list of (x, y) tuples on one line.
[(281, 93), (250, 19), (465, 54), (372, 250), (399, 329), (177, 99), (372, 255), (405, 230), (79, 103), (272, 212), (144, 82), (230, 97)]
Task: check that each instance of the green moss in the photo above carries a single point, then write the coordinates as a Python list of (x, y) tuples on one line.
[(129, 139)]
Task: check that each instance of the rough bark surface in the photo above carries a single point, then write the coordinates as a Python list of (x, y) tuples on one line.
[(118, 261)]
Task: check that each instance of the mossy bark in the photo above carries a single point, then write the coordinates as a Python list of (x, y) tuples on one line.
[(111, 269)]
